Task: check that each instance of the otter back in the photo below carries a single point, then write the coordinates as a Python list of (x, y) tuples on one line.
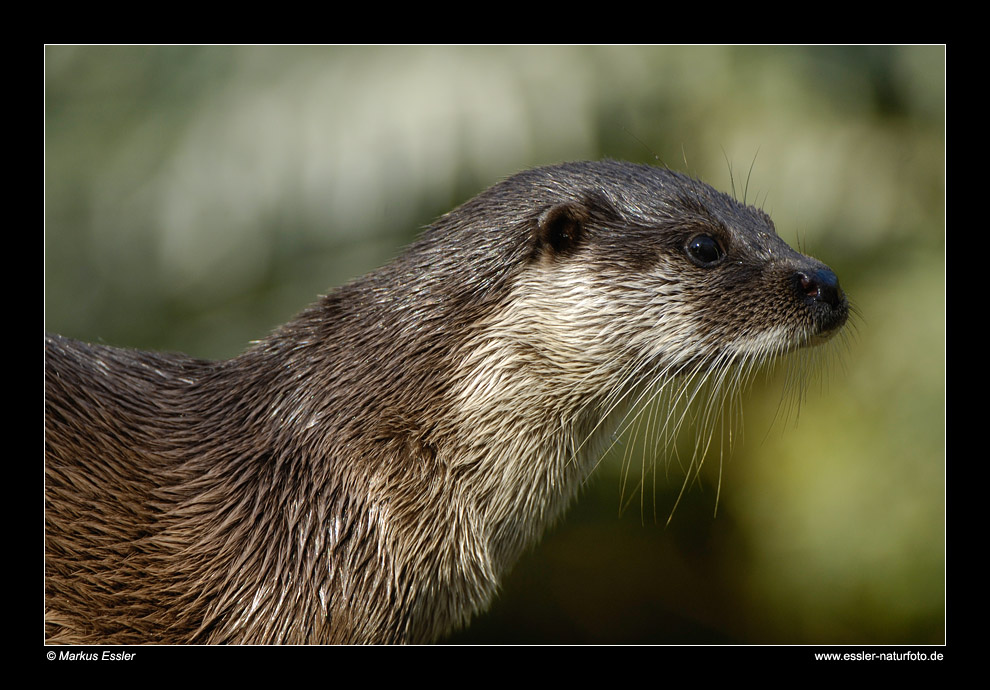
[(371, 470)]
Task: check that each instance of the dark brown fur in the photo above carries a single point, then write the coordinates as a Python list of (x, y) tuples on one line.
[(325, 486)]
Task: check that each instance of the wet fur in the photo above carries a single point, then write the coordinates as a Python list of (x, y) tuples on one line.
[(370, 471)]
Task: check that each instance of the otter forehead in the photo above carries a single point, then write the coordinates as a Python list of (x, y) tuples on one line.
[(640, 201)]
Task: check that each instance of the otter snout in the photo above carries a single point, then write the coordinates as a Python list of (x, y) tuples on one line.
[(821, 291)]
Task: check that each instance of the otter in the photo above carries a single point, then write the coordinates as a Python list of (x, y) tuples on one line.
[(370, 471)]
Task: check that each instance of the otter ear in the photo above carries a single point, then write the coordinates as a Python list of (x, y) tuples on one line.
[(559, 230)]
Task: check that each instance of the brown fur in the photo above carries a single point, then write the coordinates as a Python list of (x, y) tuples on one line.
[(370, 471)]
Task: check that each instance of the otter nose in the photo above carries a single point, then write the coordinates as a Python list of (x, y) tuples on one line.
[(822, 285)]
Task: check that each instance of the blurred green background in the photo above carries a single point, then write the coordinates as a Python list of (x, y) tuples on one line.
[(196, 197)]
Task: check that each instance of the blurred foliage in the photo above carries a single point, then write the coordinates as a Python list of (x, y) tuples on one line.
[(196, 197)]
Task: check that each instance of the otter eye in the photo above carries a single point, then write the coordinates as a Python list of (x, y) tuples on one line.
[(704, 250)]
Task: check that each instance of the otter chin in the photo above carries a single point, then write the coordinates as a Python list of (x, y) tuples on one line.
[(371, 470)]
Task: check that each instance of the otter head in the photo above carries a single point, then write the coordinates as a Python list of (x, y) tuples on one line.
[(639, 271)]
